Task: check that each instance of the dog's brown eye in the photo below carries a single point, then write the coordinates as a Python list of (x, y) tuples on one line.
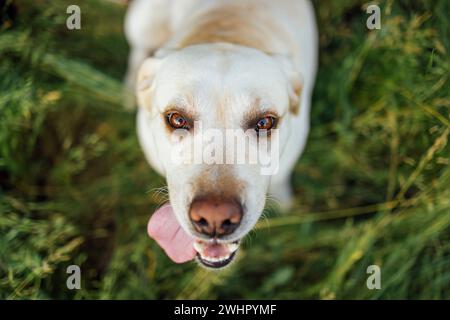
[(177, 121), (265, 123)]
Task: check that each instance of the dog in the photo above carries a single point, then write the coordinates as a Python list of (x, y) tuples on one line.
[(227, 64)]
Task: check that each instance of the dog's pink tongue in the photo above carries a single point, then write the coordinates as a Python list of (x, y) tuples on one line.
[(165, 229)]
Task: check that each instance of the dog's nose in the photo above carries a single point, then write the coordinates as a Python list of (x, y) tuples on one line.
[(215, 217)]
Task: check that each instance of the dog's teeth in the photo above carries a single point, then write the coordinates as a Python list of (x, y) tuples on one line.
[(223, 258), (198, 246), (232, 247), (210, 259), (218, 259)]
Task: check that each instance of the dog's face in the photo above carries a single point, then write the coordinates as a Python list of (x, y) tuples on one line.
[(199, 94)]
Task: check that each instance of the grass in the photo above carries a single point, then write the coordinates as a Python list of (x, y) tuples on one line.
[(371, 188)]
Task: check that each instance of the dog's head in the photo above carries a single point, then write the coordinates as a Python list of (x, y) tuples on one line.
[(195, 100)]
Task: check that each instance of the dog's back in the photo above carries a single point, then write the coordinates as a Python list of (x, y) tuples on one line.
[(284, 27)]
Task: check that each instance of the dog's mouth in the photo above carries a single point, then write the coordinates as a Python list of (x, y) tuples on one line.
[(215, 255), (182, 247)]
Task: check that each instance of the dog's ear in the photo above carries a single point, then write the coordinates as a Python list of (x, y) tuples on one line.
[(146, 75), (295, 82)]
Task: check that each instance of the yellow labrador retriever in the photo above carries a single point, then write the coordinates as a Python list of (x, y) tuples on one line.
[(204, 70)]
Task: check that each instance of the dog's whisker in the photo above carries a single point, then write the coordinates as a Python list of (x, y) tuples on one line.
[(161, 192), (265, 219), (249, 238), (163, 188), (161, 203), (272, 200), (159, 195), (273, 204)]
